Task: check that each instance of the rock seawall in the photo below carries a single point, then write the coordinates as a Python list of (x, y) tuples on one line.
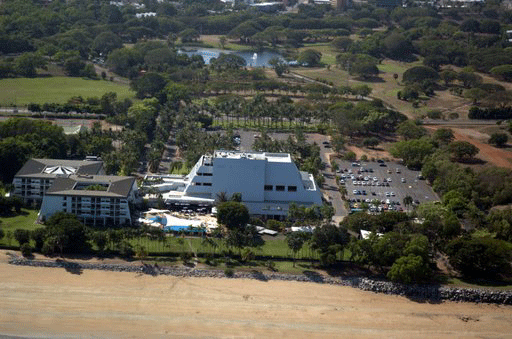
[(432, 293)]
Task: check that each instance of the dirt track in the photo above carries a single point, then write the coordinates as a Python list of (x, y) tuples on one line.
[(51, 302)]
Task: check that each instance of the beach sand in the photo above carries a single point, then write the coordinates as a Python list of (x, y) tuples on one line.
[(52, 302)]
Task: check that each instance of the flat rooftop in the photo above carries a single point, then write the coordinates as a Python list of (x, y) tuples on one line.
[(271, 157)]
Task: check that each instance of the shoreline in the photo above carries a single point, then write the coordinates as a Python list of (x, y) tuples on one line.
[(422, 293), (59, 303)]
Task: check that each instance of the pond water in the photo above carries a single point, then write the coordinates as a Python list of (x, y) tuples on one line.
[(253, 59)]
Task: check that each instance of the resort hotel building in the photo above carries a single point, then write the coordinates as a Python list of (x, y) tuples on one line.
[(79, 187), (98, 200), (267, 182), (37, 175)]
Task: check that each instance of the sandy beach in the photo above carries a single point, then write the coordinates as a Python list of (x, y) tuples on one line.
[(52, 302)]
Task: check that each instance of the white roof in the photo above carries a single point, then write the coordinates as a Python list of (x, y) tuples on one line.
[(307, 229), (271, 157), (366, 234)]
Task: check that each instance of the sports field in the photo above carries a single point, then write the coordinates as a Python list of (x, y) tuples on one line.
[(22, 91)]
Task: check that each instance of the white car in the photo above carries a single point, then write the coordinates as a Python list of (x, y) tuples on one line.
[(402, 180), (355, 192), (375, 179), (389, 179), (392, 194)]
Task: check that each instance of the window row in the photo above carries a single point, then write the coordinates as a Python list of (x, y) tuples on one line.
[(203, 184), (280, 188)]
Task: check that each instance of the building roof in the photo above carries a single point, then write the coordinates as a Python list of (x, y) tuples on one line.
[(51, 168), (271, 157), (115, 186)]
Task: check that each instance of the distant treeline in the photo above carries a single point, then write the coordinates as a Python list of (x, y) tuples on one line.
[(501, 113)]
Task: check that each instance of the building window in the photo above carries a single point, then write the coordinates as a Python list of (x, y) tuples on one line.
[(280, 188), (269, 187), (292, 188)]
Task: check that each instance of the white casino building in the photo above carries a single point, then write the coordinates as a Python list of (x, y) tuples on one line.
[(268, 182)]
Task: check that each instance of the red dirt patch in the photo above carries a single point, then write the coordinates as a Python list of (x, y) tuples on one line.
[(496, 156)]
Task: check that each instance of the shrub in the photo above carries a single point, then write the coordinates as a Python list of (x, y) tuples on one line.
[(22, 236), (26, 250), (229, 272), (270, 265), (434, 114), (350, 156), (498, 139)]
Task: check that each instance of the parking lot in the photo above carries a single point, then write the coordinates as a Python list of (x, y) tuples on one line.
[(382, 185)]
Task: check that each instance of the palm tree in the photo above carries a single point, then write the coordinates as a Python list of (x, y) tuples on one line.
[(221, 197), (407, 200)]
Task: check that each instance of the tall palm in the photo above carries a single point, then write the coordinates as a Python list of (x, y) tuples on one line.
[(407, 200)]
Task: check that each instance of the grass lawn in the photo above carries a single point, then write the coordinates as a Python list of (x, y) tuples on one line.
[(26, 220), (22, 91), (455, 282)]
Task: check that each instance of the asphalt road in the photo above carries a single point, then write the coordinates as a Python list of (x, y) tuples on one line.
[(329, 188)]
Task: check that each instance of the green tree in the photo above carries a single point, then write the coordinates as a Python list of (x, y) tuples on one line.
[(463, 150), (443, 135), (409, 269), (448, 76), (371, 142), (66, 234), (475, 94), (469, 79), (503, 72), (407, 201), (227, 62), (105, 43), (419, 74), (27, 63), (189, 35), (234, 215), (479, 257), (26, 250), (22, 236), (364, 70), (149, 85), (309, 57), (329, 240), (410, 130), (279, 65), (498, 139), (295, 241), (38, 235), (413, 152), (100, 239), (398, 47)]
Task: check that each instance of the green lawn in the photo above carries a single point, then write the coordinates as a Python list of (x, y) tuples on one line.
[(26, 220), (22, 91)]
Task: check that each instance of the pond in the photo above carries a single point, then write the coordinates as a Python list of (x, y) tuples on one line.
[(253, 59)]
